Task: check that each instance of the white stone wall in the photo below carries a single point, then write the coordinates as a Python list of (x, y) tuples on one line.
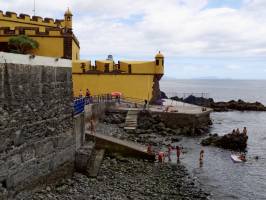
[(36, 60)]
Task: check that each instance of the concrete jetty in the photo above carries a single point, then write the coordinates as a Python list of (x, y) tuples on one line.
[(125, 148), (176, 115)]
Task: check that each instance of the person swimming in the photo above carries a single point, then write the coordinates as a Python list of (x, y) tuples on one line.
[(201, 157), (242, 157)]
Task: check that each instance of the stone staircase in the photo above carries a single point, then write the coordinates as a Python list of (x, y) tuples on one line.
[(95, 162), (131, 120)]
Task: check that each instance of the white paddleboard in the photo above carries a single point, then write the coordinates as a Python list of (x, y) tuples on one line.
[(236, 159)]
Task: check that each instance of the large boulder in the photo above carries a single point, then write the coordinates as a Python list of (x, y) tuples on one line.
[(228, 141), (163, 95)]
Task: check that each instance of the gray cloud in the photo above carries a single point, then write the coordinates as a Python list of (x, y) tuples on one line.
[(177, 27)]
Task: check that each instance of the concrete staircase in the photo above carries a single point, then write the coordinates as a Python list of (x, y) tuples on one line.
[(95, 162), (131, 120)]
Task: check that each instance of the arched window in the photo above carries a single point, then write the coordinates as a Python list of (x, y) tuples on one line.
[(157, 62)]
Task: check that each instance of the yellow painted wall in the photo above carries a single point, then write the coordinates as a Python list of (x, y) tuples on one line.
[(133, 86), (51, 45), (79, 65), (138, 67), (101, 64), (75, 51), (48, 46)]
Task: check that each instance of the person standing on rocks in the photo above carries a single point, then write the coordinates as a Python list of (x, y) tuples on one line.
[(178, 152), (245, 131), (237, 131)]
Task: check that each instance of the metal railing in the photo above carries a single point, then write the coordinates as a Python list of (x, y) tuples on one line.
[(80, 102), (187, 94), (79, 105)]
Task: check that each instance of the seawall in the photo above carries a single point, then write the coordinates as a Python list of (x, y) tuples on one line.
[(36, 123)]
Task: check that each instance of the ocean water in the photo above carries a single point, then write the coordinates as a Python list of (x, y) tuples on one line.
[(219, 175), (220, 90)]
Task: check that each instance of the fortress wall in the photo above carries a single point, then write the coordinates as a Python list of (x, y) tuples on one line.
[(131, 85), (36, 124), (12, 18)]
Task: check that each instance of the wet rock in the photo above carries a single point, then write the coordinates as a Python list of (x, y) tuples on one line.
[(163, 95), (228, 141), (239, 105)]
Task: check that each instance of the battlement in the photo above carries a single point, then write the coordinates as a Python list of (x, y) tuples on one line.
[(34, 20), (33, 31)]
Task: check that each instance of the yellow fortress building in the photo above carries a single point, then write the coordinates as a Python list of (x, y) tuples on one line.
[(134, 79), (55, 37)]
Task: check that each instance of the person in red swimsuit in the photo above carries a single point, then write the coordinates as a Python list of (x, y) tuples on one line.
[(161, 157)]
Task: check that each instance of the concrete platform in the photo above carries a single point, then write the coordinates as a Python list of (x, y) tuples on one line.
[(171, 106), (185, 117), (125, 148)]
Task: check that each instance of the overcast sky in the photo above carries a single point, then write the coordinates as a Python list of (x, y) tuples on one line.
[(199, 38)]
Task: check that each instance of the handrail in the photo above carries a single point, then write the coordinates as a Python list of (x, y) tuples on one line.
[(80, 102)]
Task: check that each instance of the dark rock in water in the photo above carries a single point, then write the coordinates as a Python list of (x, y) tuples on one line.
[(199, 101), (222, 106), (163, 95), (228, 141)]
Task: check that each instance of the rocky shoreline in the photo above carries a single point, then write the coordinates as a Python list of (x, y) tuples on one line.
[(125, 178), (129, 178), (239, 105)]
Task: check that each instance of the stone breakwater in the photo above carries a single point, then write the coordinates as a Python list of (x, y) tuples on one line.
[(239, 105), (123, 178)]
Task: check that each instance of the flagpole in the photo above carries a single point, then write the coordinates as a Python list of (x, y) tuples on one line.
[(34, 8)]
